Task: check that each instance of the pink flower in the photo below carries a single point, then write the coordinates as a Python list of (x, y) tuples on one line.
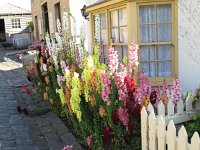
[(176, 90), (60, 80), (106, 89), (63, 66), (119, 79), (89, 141), (123, 116), (34, 91), (112, 60), (133, 57), (68, 147)]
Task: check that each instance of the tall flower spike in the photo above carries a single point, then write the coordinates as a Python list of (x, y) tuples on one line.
[(133, 57), (113, 61)]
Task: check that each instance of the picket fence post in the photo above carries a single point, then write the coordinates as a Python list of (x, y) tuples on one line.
[(170, 108), (152, 131), (189, 102), (171, 136), (195, 142), (144, 129), (180, 107), (161, 109), (161, 130), (182, 143)]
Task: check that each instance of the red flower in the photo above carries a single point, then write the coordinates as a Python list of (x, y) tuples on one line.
[(130, 127), (27, 91), (136, 112), (107, 131), (114, 116), (23, 86), (153, 97), (130, 82)]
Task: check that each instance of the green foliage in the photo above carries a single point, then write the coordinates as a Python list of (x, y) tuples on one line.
[(30, 25), (194, 125)]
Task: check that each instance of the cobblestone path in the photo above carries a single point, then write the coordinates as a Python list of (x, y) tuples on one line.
[(21, 132)]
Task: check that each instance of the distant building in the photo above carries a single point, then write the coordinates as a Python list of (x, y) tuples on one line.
[(45, 14), (13, 20)]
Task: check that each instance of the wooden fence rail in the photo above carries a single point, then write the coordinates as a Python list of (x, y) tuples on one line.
[(184, 111), (155, 136)]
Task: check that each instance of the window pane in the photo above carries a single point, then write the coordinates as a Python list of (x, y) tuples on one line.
[(164, 68), (163, 13), (147, 53), (147, 14), (147, 33), (164, 32), (164, 52), (122, 17), (119, 52), (114, 35), (103, 20), (123, 35), (105, 51), (103, 36), (114, 18), (148, 69), (125, 51)]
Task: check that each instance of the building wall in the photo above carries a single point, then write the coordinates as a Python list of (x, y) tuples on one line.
[(189, 43), (24, 19), (36, 7)]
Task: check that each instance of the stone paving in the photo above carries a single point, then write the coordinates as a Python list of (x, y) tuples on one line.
[(44, 131)]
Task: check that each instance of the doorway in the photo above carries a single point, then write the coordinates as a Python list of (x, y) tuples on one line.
[(2, 31)]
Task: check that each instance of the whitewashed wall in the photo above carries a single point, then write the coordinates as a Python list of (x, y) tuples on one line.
[(75, 10), (189, 43)]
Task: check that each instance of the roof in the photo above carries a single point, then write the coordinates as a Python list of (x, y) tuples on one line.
[(98, 2), (10, 9)]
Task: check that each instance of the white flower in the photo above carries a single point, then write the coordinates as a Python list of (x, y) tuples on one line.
[(76, 75), (90, 62), (45, 67)]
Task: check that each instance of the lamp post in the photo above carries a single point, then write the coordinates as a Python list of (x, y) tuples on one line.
[(84, 13)]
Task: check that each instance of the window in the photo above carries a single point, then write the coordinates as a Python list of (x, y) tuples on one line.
[(16, 23), (118, 28), (156, 44), (153, 25), (46, 18), (100, 33), (57, 13)]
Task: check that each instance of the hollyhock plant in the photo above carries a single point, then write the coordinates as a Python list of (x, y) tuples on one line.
[(133, 57), (106, 89), (60, 80), (113, 61), (89, 141), (107, 133), (176, 91), (123, 116), (119, 80), (63, 65), (114, 117)]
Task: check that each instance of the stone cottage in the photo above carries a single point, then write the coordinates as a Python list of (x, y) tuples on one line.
[(166, 31)]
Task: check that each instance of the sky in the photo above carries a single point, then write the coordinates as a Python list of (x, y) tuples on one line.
[(26, 4)]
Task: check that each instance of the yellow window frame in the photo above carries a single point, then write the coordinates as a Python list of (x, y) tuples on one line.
[(133, 27)]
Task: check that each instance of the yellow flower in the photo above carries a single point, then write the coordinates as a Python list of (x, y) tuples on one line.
[(102, 111), (47, 80), (45, 96), (92, 100), (145, 101), (50, 68)]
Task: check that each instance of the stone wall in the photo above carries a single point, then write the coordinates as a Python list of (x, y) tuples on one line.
[(36, 7)]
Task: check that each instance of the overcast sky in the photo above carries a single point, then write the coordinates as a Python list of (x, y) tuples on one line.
[(26, 4)]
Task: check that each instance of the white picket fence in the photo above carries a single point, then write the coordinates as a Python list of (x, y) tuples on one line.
[(155, 136), (185, 111)]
